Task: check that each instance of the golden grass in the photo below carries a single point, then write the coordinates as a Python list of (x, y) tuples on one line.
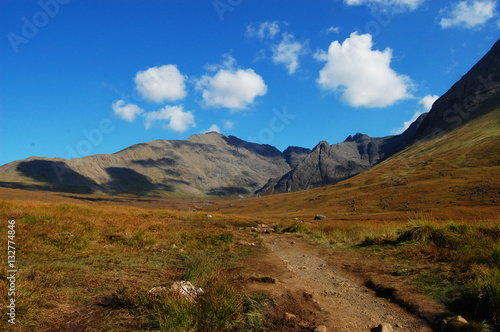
[(73, 258)]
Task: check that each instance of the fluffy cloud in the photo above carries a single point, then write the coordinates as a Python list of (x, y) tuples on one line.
[(469, 14), (361, 75), (158, 84), (175, 117), (387, 4), (287, 52), (127, 112), (425, 106), (213, 127), (264, 30), (231, 88)]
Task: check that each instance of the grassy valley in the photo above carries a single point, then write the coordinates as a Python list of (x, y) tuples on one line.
[(429, 215)]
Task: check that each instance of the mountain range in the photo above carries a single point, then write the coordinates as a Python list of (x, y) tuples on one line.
[(215, 164)]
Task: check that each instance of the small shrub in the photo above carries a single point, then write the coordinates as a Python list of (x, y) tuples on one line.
[(226, 238)]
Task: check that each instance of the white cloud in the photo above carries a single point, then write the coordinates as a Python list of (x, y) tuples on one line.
[(287, 52), (213, 127), (228, 63), (127, 112), (158, 84), (361, 75), (176, 118), (264, 30), (231, 88), (398, 5), (333, 30), (228, 124), (469, 14), (426, 104)]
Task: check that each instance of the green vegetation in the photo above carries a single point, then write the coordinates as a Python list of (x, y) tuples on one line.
[(458, 264)]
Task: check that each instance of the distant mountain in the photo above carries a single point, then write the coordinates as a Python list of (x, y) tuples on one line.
[(328, 164), (214, 164), (207, 164)]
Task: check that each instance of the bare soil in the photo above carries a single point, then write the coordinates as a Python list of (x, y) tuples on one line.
[(310, 286)]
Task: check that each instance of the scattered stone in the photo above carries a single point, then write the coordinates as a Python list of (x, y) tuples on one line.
[(452, 323), (289, 316), (293, 242), (319, 217), (185, 288), (243, 243), (384, 327), (209, 216), (155, 291), (307, 295), (320, 328), (262, 228), (66, 234)]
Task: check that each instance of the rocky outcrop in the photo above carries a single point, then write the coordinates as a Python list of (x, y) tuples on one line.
[(294, 155), (329, 164)]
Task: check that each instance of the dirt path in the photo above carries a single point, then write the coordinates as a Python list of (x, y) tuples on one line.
[(312, 290)]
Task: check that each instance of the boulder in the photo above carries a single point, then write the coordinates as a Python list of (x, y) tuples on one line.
[(319, 217)]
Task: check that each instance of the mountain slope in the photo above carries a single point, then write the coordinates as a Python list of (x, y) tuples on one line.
[(453, 176), (211, 164), (476, 93)]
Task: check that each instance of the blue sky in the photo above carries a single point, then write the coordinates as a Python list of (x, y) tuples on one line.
[(87, 77)]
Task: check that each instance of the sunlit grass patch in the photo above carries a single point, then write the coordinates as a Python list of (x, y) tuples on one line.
[(71, 257)]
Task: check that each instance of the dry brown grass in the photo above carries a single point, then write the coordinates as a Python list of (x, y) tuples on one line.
[(73, 258)]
